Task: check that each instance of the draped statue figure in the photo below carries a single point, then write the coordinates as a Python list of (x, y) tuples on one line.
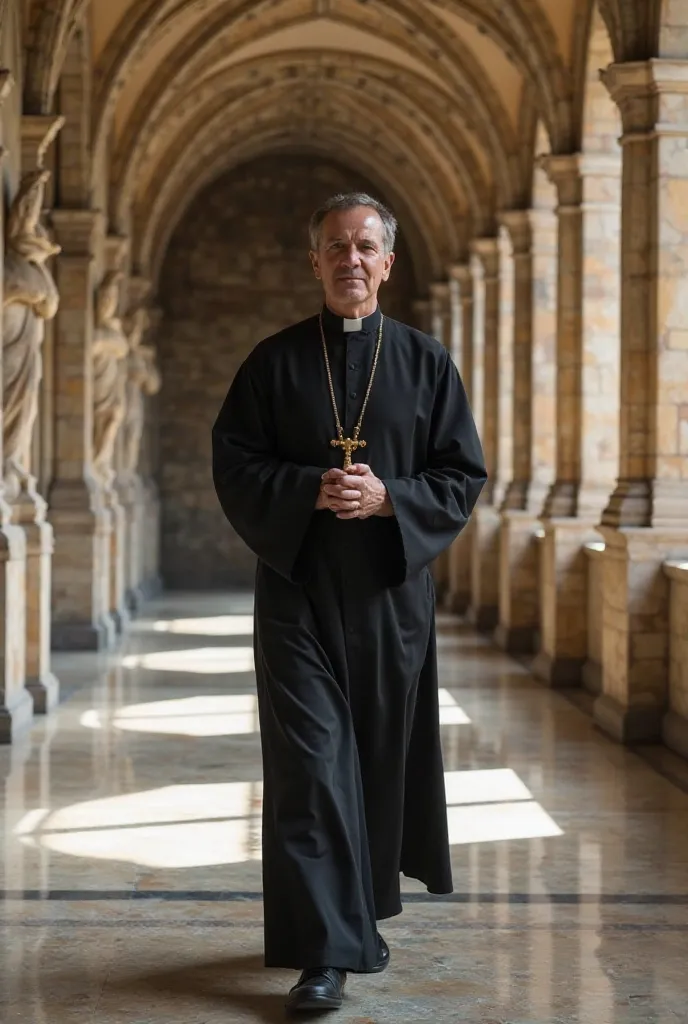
[(30, 298), (143, 379), (110, 348)]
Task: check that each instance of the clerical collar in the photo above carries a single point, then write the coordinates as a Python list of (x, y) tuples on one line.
[(339, 324)]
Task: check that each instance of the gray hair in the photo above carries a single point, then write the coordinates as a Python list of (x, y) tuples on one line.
[(349, 201)]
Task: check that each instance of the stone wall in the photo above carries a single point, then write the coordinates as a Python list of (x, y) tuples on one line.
[(237, 271)]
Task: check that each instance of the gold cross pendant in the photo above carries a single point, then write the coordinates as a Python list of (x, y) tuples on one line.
[(348, 445)]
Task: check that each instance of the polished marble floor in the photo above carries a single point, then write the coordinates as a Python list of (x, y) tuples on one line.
[(130, 858)]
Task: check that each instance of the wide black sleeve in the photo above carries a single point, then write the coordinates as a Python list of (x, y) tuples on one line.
[(268, 501), (432, 507)]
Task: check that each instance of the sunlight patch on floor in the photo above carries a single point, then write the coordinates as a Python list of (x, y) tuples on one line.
[(215, 625), (201, 716), (200, 660)]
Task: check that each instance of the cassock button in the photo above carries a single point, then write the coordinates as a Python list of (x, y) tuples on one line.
[(353, 394), (353, 366)]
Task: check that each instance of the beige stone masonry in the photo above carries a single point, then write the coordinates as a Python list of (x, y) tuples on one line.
[(16, 705), (461, 292), (441, 328), (485, 523), (586, 397), (80, 521), (29, 507), (675, 723), (646, 520)]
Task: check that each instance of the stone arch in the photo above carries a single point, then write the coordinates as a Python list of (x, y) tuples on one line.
[(51, 26), (277, 82), (136, 33), (155, 223), (179, 79)]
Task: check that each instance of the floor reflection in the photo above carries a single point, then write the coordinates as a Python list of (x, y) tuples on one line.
[(131, 850)]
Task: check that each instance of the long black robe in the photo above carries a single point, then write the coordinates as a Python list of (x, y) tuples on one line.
[(344, 624)]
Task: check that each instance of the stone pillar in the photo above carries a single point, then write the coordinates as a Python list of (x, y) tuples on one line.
[(81, 523), (422, 315), (646, 519), (518, 568), (441, 328), (32, 299), (461, 295), (585, 444), (484, 531), (112, 350), (16, 705)]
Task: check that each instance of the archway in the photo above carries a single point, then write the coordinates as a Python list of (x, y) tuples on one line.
[(236, 271)]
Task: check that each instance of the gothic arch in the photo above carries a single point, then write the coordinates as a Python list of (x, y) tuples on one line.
[(51, 26), (261, 86)]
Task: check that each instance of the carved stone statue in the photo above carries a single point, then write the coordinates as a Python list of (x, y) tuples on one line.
[(30, 298), (110, 348), (143, 379)]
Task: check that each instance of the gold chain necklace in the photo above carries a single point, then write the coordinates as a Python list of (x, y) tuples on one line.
[(350, 444)]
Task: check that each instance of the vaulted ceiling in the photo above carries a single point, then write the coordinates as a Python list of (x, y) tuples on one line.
[(437, 101)]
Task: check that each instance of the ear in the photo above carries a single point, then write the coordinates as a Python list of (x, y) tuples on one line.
[(387, 269), (316, 264)]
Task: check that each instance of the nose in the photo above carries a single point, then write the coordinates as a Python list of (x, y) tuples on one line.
[(351, 258)]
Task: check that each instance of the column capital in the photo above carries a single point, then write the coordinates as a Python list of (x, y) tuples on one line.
[(78, 231), (38, 132), (564, 171), (518, 225), (439, 292), (462, 275), (637, 88), (116, 250), (486, 250)]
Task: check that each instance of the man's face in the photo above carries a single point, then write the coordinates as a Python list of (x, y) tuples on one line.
[(351, 260)]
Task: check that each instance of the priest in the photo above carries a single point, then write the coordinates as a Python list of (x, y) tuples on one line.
[(346, 457)]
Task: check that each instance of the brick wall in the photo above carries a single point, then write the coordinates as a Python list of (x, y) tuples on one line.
[(237, 270)]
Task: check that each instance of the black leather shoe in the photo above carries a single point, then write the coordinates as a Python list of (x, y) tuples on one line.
[(319, 988), (383, 957)]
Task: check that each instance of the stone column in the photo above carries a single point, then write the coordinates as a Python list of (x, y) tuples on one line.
[(422, 315), (16, 705), (441, 328), (646, 519), (81, 523), (585, 444), (485, 523), (461, 294), (111, 350), (31, 299)]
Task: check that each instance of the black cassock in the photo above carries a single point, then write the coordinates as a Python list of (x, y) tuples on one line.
[(344, 624)]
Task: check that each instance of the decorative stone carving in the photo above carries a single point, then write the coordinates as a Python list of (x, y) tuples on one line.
[(143, 379), (30, 298), (110, 349)]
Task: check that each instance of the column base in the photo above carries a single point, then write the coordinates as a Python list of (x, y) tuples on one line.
[(15, 721), (121, 619), (83, 636), (558, 672), (516, 639), (675, 733), (45, 693), (484, 618), (591, 677), (640, 724), (459, 602)]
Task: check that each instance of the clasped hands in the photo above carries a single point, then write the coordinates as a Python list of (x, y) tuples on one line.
[(355, 493)]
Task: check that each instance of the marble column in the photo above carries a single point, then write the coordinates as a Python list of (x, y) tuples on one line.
[(81, 523), (646, 519), (587, 189), (485, 522), (461, 294), (16, 705), (441, 328)]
